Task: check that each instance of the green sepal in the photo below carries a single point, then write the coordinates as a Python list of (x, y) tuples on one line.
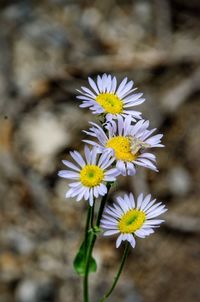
[(96, 230), (80, 261)]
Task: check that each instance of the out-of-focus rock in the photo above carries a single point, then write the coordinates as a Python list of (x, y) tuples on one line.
[(10, 266), (44, 133), (32, 290), (130, 292), (17, 13), (52, 257), (179, 181), (45, 136), (184, 216), (18, 241), (41, 49), (125, 291), (6, 128), (91, 17), (143, 13), (68, 292)]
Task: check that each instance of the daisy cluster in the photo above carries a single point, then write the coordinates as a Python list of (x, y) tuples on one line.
[(118, 145)]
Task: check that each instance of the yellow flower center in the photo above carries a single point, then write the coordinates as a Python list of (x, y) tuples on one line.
[(122, 147), (91, 176), (131, 221), (110, 103)]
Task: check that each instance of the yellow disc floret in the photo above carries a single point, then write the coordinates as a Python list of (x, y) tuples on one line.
[(122, 147), (131, 221), (91, 176), (110, 103)]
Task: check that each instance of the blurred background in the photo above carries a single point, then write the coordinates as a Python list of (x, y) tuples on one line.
[(48, 48)]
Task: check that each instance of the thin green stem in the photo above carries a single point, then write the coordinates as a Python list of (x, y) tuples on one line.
[(102, 205), (118, 273), (87, 226), (92, 215), (88, 257), (90, 246), (89, 212)]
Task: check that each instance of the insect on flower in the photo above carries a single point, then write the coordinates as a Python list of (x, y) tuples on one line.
[(137, 144), (127, 143)]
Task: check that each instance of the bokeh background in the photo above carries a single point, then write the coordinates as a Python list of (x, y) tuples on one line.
[(48, 48)]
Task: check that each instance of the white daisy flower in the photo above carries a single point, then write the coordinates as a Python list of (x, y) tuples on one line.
[(127, 143), (89, 175), (131, 218), (104, 97)]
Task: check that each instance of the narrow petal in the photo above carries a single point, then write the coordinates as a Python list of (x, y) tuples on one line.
[(111, 232), (119, 240), (70, 165), (132, 241), (68, 174), (93, 85), (78, 158)]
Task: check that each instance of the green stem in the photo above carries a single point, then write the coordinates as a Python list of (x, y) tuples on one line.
[(90, 246), (88, 257), (92, 215), (87, 226), (102, 205), (89, 212), (118, 273)]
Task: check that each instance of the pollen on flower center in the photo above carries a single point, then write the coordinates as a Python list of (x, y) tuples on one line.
[(122, 148), (131, 221), (91, 176), (110, 103)]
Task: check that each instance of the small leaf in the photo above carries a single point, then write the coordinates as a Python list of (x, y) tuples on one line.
[(80, 261)]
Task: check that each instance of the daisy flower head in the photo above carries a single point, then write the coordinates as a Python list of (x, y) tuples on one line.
[(130, 217), (89, 175), (128, 144), (106, 97)]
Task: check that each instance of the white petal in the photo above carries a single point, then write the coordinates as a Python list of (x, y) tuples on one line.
[(93, 85), (132, 200), (88, 91), (68, 174), (121, 86), (149, 205), (87, 154), (78, 158), (152, 208), (99, 83), (145, 201), (111, 232), (109, 83), (70, 165), (153, 221), (124, 206), (121, 167), (132, 241), (119, 240), (139, 200), (127, 88), (102, 189), (81, 194), (114, 85), (155, 213), (112, 212), (104, 82)]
